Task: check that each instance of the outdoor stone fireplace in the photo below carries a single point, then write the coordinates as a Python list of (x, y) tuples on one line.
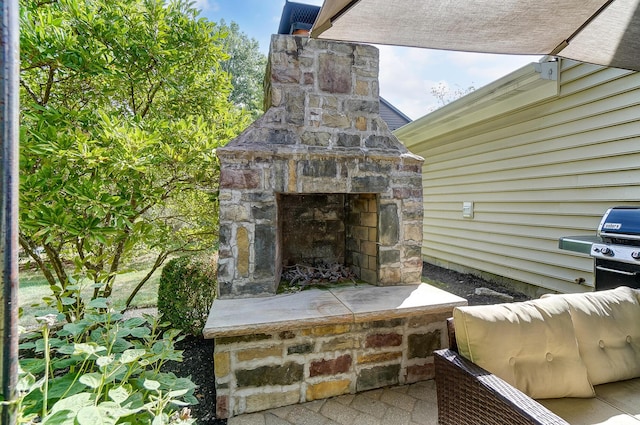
[(319, 178)]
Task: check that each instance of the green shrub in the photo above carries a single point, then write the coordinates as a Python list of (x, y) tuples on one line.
[(186, 290), (102, 369)]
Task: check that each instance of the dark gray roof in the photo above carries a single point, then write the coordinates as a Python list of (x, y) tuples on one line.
[(297, 16), (392, 116)]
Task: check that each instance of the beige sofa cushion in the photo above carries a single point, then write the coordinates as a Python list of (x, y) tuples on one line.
[(607, 327), (531, 345), (616, 403), (587, 411)]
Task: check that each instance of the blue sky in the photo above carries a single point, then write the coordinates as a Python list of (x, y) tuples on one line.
[(406, 74)]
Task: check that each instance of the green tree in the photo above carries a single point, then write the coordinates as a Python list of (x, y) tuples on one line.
[(123, 104), (246, 66)]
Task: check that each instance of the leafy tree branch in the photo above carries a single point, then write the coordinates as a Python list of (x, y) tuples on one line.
[(123, 104)]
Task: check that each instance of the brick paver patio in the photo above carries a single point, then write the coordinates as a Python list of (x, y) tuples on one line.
[(413, 404)]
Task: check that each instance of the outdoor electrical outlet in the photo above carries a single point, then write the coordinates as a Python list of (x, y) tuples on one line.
[(467, 209)]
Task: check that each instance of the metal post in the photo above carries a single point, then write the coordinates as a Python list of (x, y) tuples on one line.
[(9, 131)]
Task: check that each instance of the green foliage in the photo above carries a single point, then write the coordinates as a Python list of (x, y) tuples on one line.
[(123, 103), (186, 291), (103, 369), (246, 66)]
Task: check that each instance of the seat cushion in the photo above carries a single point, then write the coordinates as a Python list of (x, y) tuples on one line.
[(615, 403), (531, 345), (607, 329), (623, 395), (592, 411)]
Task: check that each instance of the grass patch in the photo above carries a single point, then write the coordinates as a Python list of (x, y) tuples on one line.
[(34, 288)]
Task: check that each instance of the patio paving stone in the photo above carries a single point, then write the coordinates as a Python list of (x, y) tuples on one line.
[(339, 412), (370, 406), (413, 404), (271, 419), (399, 400)]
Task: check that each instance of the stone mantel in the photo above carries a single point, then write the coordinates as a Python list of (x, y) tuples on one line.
[(343, 304)]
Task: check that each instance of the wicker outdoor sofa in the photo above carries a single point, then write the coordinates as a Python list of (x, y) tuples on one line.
[(608, 352), (468, 394)]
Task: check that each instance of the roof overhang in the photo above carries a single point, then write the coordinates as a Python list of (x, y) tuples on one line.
[(531, 84)]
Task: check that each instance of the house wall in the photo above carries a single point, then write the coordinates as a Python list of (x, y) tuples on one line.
[(539, 159)]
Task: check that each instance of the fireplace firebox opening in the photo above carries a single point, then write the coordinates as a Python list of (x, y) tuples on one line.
[(329, 230)]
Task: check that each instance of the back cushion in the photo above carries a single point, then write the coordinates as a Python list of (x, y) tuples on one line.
[(531, 345), (607, 326)]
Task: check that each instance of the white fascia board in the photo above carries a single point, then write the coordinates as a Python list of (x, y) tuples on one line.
[(521, 88)]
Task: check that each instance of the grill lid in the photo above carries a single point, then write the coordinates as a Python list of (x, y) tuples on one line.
[(620, 222)]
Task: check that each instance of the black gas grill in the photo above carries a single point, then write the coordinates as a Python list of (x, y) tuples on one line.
[(617, 254)]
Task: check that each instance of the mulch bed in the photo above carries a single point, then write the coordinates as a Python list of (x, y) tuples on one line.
[(198, 363)]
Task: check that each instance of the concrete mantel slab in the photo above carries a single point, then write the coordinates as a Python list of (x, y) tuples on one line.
[(245, 316), (353, 304), (368, 302)]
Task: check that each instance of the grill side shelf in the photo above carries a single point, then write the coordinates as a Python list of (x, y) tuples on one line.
[(581, 243)]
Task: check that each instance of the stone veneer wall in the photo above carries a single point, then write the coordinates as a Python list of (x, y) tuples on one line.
[(321, 134), (362, 236), (267, 370)]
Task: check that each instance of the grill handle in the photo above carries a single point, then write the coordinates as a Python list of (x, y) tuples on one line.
[(605, 269)]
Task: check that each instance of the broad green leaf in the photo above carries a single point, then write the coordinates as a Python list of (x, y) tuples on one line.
[(64, 385), (118, 394), (68, 300), (134, 322), (75, 328), (72, 403), (29, 345), (88, 349), (61, 417), (98, 303), (120, 345), (92, 380), (151, 384), (123, 332), (131, 355), (161, 419), (34, 366), (178, 393), (92, 415), (105, 360), (113, 410), (140, 332), (67, 349)]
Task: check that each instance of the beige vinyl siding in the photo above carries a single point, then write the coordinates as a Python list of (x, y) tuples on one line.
[(537, 167)]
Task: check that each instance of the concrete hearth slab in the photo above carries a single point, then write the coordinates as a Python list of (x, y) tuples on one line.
[(361, 303), (245, 316), (368, 302)]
